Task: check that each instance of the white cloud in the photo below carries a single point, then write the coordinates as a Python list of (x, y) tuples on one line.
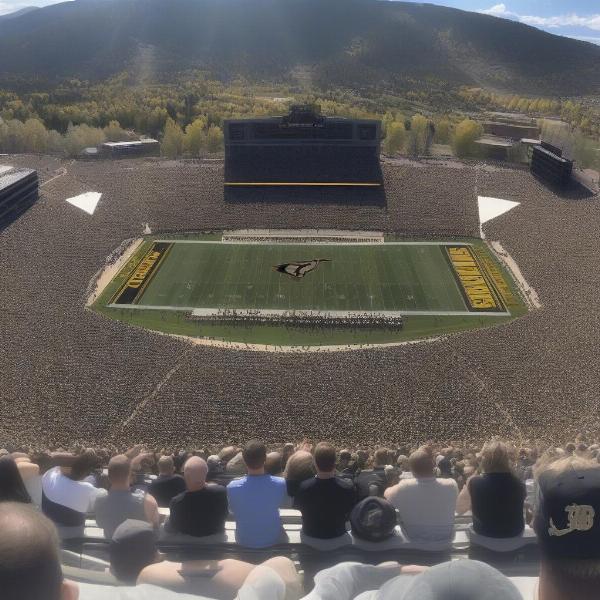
[(568, 20)]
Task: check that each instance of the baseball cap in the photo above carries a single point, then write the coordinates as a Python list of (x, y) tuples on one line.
[(455, 580), (567, 520), (133, 547), (373, 519)]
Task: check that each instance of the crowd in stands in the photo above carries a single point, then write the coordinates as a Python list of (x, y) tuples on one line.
[(46, 498)]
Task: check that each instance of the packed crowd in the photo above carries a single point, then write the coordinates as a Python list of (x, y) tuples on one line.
[(354, 320), (370, 496)]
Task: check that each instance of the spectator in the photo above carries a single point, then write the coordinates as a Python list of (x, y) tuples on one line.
[(326, 500), (236, 467), (121, 503), (288, 450), (12, 488), (345, 467), (274, 464), (29, 556), (30, 568), (134, 558), (372, 482), (425, 503), (567, 525), (167, 485), (202, 509), (404, 467), (496, 497), (457, 580), (255, 501), (30, 474), (66, 499), (300, 467)]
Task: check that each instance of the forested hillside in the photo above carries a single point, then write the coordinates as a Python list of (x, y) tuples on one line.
[(351, 43)]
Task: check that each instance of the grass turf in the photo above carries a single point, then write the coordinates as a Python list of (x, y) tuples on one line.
[(385, 277)]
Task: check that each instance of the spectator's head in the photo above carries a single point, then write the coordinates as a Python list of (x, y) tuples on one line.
[(567, 525), (236, 466), (132, 548), (373, 519), (345, 458), (381, 457), (214, 463), (274, 464), (83, 465), (496, 457), (288, 450), (402, 463), (570, 448), (227, 454), (362, 456), (119, 472), (300, 466), (459, 579), (325, 458), (12, 488), (195, 471), (255, 456), (166, 465), (30, 557), (421, 463)]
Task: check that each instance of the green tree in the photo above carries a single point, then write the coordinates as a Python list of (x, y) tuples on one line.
[(465, 135), (35, 136), (395, 138), (82, 136), (115, 133), (172, 142), (195, 136), (443, 131), (419, 138), (214, 139)]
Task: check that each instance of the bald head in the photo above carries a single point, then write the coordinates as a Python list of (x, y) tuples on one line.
[(29, 555), (195, 471)]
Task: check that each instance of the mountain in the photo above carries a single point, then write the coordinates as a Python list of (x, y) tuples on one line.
[(18, 13), (353, 43)]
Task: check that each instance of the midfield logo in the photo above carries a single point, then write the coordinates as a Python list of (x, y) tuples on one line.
[(300, 269)]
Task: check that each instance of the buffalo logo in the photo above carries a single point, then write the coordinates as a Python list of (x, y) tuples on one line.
[(299, 269)]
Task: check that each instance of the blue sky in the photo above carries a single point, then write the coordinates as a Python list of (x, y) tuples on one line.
[(573, 18)]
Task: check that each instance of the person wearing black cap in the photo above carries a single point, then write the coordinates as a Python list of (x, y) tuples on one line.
[(567, 525)]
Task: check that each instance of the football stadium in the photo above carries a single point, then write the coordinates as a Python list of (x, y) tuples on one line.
[(150, 300)]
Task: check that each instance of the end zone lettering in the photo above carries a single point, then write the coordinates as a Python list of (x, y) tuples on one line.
[(478, 293), (137, 282)]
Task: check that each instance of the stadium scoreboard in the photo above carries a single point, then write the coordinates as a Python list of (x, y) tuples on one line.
[(302, 148)]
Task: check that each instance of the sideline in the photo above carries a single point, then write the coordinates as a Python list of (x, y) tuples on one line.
[(114, 263), (530, 296)]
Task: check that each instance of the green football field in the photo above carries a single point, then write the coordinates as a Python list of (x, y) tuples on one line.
[(166, 280), (378, 277)]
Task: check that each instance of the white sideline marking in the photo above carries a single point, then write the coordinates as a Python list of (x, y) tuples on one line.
[(5, 169), (206, 312), (301, 243), (86, 202)]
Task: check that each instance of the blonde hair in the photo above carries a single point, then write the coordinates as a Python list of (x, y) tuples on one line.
[(497, 457)]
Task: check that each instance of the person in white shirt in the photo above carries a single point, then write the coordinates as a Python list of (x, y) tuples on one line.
[(425, 504), (66, 499)]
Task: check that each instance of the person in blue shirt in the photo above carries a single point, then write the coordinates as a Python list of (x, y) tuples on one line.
[(255, 501)]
